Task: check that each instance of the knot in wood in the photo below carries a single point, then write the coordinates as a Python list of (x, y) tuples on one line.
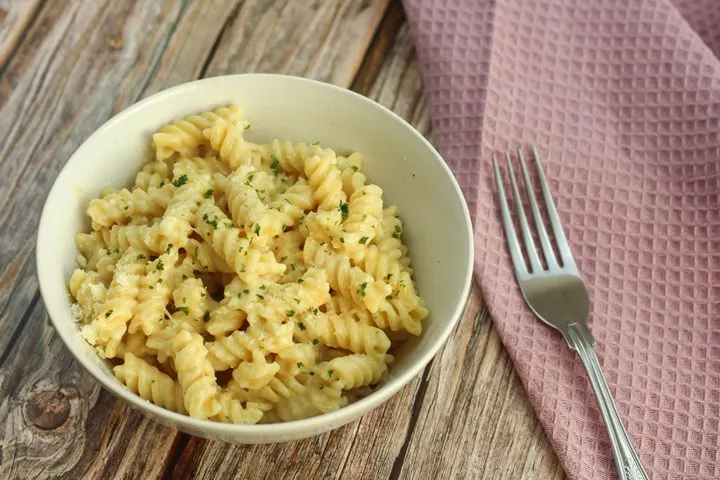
[(48, 409)]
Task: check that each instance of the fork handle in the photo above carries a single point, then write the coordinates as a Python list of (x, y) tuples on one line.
[(627, 460)]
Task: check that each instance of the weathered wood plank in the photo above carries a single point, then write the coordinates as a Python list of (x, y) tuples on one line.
[(15, 17), (319, 39), (79, 64)]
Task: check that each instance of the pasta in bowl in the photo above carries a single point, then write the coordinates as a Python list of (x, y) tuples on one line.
[(241, 280)]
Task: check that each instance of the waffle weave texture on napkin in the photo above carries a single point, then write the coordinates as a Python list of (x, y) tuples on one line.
[(622, 99)]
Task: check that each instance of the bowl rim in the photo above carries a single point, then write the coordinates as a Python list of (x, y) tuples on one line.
[(293, 428)]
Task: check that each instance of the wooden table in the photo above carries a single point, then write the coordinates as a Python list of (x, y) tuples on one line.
[(65, 68)]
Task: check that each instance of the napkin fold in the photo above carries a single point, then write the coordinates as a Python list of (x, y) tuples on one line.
[(622, 99)]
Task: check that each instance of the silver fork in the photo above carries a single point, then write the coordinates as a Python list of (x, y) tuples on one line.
[(557, 296)]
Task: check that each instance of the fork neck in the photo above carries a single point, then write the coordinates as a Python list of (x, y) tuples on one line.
[(578, 334)]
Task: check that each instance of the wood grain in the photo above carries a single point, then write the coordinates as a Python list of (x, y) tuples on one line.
[(70, 66), (15, 17)]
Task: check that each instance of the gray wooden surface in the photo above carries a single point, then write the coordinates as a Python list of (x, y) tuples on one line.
[(66, 66)]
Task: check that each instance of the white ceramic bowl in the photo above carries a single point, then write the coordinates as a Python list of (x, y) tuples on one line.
[(408, 169)]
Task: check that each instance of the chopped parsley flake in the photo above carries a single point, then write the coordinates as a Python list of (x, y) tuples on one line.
[(108, 314), (206, 316), (275, 165), (315, 341), (160, 266), (388, 277), (299, 364), (363, 240), (301, 326), (315, 311), (397, 231), (183, 309), (361, 288), (330, 372), (260, 297), (208, 193), (249, 180), (207, 220), (162, 184), (291, 313), (300, 280), (182, 180), (342, 239), (184, 277), (297, 300), (355, 168), (140, 256), (257, 229), (167, 250), (344, 210)]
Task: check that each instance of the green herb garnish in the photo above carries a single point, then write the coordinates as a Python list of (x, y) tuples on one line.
[(363, 240), (361, 288), (208, 193), (182, 180), (344, 210), (108, 314), (275, 165), (291, 313)]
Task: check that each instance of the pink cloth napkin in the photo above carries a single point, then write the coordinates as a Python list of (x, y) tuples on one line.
[(622, 99)]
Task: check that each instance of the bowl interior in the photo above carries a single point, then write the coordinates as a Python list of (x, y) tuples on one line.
[(398, 159)]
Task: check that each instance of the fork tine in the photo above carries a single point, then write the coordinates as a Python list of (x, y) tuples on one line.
[(537, 217), (555, 223), (512, 240), (530, 249)]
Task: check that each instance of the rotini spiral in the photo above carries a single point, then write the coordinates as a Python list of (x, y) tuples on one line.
[(154, 294), (185, 136), (227, 352), (118, 207), (224, 320), (354, 371), (342, 331), (248, 209), (247, 260), (290, 157), (232, 411), (394, 314), (153, 175), (143, 238), (345, 278), (195, 375), (108, 328), (227, 139), (89, 292), (255, 374), (293, 203), (350, 175), (324, 178), (202, 257), (150, 383), (279, 387)]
